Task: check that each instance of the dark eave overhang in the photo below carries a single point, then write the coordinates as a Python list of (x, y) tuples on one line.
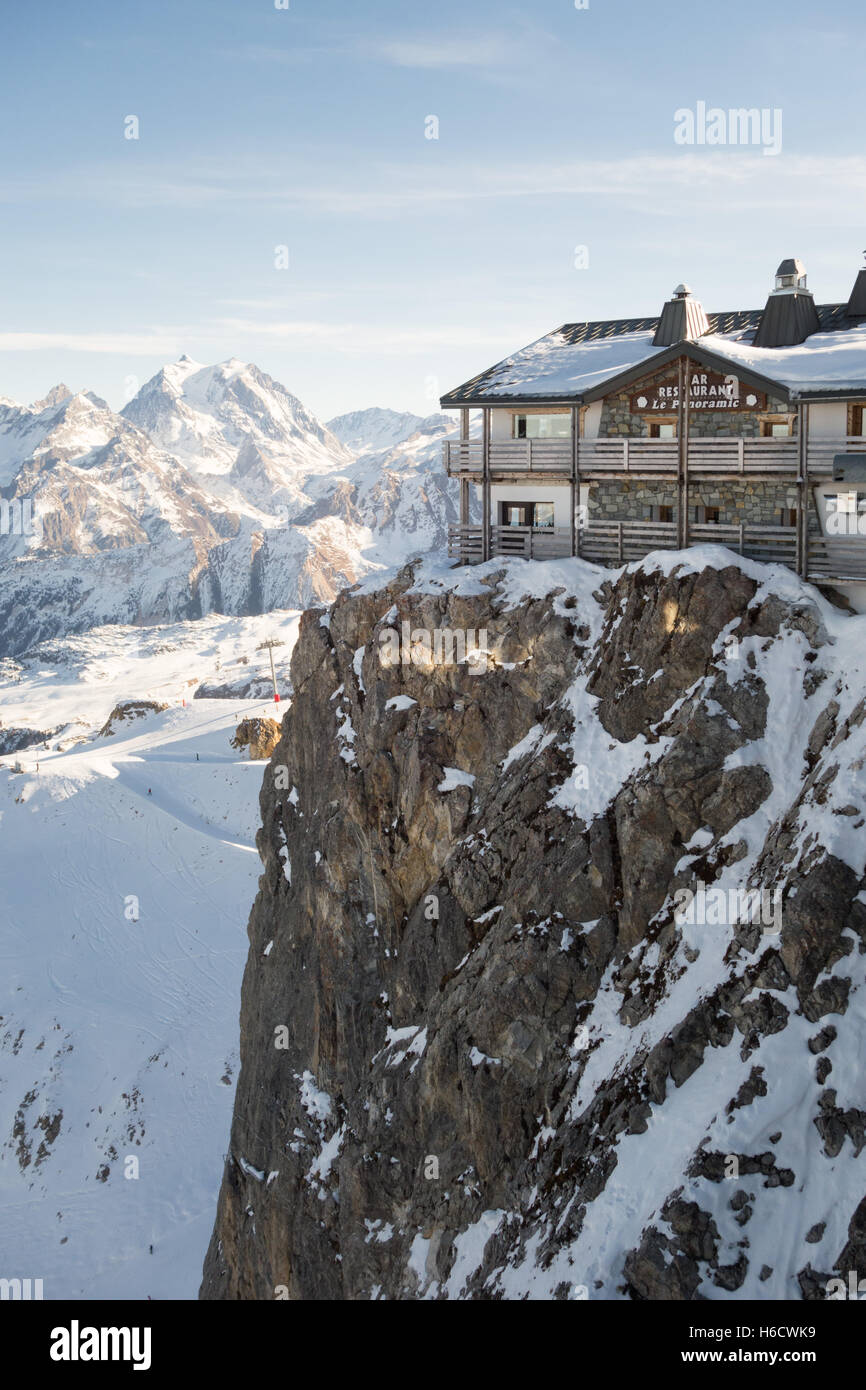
[(814, 395)]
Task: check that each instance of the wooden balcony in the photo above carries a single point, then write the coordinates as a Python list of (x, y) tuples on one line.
[(528, 542), (830, 559), (617, 542), (645, 458)]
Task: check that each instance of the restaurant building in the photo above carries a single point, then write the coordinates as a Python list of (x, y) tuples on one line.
[(614, 438)]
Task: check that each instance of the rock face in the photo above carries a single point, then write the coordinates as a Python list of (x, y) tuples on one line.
[(15, 740), (261, 736), (510, 1026), (126, 710)]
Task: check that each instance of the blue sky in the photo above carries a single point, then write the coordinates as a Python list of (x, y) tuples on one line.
[(413, 262)]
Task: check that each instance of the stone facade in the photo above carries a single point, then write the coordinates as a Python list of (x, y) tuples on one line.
[(615, 501), (618, 420), (749, 503)]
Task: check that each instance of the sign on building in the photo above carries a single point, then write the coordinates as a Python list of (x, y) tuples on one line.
[(707, 391)]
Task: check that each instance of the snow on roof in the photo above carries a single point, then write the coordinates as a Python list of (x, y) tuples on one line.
[(833, 360), (553, 366), (578, 358)]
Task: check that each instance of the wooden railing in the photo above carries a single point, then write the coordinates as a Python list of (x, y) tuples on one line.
[(771, 544), (509, 455), (465, 543), (532, 542), (627, 455), (617, 542), (463, 455), (836, 557)]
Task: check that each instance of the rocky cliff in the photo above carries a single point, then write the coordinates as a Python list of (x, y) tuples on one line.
[(555, 983)]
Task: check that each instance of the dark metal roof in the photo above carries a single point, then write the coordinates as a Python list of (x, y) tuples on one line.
[(857, 302), (788, 319), (742, 323), (793, 266), (682, 317)]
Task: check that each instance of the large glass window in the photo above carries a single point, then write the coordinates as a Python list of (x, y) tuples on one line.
[(539, 426), (526, 513)]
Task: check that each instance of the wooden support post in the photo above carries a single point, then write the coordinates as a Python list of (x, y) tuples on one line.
[(575, 479), (802, 561), (485, 487), (682, 426), (684, 450)]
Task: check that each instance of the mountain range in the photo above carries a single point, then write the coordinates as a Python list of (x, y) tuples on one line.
[(213, 490)]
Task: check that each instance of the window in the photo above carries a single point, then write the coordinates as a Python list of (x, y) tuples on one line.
[(857, 419), (775, 429), (706, 516), (663, 429), (539, 426), (526, 514), (788, 516), (659, 513)]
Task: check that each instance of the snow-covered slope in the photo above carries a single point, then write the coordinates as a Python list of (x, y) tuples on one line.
[(374, 430), (131, 866)]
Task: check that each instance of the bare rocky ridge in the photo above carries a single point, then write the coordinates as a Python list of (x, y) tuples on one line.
[(481, 1057)]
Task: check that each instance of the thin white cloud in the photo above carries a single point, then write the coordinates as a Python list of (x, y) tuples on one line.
[(364, 338), (144, 344), (663, 185), (483, 51), (225, 334)]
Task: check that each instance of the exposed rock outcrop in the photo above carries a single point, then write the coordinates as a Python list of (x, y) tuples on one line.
[(260, 735), (510, 1026), (126, 710)]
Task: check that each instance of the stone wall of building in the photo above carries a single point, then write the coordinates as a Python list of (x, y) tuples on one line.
[(749, 503), (618, 420), (616, 501)]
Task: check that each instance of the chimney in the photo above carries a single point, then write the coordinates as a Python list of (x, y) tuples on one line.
[(857, 302), (789, 315), (682, 318)]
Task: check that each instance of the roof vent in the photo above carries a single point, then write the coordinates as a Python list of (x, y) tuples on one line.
[(682, 318), (857, 302), (789, 315)]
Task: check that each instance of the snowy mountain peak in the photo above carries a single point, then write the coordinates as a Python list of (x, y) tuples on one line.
[(56, 396), (373, 430)]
